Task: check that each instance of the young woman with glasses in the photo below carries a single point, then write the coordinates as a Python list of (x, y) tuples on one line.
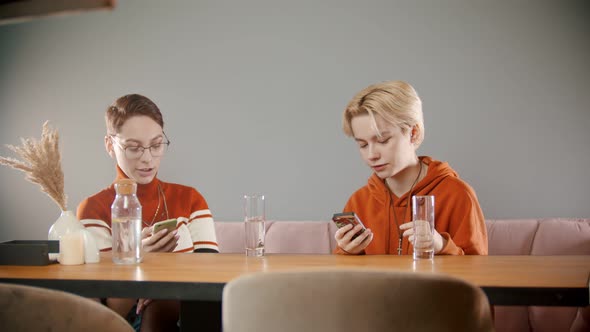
[(136, 141)]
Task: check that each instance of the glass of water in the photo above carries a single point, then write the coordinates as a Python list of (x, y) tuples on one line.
[(254, 218), (423, 224)]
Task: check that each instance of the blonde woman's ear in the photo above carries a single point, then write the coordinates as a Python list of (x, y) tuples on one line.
[(414, 133)]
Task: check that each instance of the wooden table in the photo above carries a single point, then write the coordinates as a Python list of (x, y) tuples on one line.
[(198, 279)]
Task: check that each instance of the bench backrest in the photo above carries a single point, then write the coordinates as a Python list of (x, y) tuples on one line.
[(555, 236)]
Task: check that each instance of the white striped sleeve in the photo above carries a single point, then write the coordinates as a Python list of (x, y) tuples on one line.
[(202, 231), (101, 232), (185, 243)]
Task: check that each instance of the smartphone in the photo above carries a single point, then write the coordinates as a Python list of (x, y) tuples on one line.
[(345, 218), (169, 224)]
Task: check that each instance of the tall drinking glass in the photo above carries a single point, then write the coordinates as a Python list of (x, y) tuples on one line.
[(423, 224), (254, 218)]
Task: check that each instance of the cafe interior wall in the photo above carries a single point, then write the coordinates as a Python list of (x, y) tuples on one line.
[(253, 92)]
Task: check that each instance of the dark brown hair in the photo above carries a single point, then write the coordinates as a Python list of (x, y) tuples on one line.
[(129, 106)]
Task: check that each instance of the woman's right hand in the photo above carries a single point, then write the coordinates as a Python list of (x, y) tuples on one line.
[(344, 236), (163, 241)]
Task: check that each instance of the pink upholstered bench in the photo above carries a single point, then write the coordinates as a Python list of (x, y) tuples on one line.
[(291, 237), (539, 237), (506, 237)]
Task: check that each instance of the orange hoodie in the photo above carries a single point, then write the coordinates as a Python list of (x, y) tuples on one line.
[(458, 217)]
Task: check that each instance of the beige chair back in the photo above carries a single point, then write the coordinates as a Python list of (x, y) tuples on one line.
[(26, 308), (353, 300)]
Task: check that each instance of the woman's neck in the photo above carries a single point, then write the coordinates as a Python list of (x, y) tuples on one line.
[(404, 180)]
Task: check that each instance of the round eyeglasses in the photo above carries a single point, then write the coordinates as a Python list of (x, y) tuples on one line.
[(136, 151)]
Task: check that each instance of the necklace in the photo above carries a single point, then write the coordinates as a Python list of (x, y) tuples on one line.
[(160, 195), (400, 239)]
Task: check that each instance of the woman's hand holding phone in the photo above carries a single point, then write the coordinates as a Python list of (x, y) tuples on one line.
[(351, 236), (161, 241)]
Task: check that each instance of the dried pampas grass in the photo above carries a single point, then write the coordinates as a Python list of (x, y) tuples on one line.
[(41, 164)]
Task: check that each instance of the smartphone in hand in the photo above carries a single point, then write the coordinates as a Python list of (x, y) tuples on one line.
[(169, 224), (345, 218)]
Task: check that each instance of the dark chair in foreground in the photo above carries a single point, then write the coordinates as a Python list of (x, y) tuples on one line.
[(26, 308), (353, 300)]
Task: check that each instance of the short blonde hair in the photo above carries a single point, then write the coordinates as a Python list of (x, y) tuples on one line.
[(395, 101)]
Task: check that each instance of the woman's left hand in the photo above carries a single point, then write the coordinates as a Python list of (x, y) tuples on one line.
[(162, 241), (141, 304), (437, 239)]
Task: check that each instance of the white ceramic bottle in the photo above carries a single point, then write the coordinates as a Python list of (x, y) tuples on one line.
[(67, 223)]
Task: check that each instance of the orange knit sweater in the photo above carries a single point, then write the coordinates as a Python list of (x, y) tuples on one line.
[(195, 222), (458, 216)]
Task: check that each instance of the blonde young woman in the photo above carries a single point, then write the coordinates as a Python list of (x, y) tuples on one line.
[(386, 122)]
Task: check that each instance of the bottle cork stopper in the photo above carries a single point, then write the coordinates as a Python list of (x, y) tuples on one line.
[(125, 186)]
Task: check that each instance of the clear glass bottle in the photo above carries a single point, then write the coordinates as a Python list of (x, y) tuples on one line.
[(126, 223)]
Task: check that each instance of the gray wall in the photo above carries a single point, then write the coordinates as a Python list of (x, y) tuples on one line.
[(252, 93)]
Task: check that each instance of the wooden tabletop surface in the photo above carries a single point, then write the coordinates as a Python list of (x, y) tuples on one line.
[(485, 271)]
